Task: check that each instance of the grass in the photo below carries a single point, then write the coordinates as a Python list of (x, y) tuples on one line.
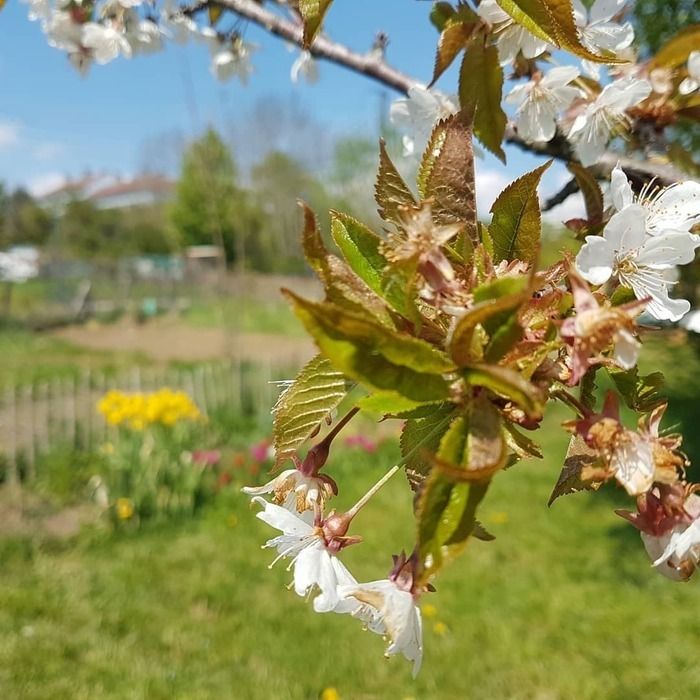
[(28, 357), (563, 604), (246, 315)]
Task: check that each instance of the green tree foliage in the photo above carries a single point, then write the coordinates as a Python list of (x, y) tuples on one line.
[(22, 220), (655, 22), (278, 183), (86, 231), (209, 207)]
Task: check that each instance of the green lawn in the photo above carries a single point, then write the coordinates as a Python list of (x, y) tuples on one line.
[(28, 357), (563, 604), (245, 315)]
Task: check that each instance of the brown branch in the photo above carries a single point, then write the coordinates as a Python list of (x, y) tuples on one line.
[(571, 187), (373, 66)]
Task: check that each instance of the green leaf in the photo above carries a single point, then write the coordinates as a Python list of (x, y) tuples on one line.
[(360, 247), (521, 445), (440, 13), (553, 21), (446, 518), (676, 50), (312, 244), (420, 438), (640, 393), (531, 15), (516, 225), (572, 478), (473, 448), (453, 39), (316, 391), (495, 305), (390, 191), (312, 13), (385, 403), (588, 387), (372, 354), (214, 12), (590, 189), (341, 285), (622, 295), (480, 92), (446, 174), (508, 384)]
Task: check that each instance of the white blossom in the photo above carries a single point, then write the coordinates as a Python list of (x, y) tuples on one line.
[(38, 10), (599, 33), (295, 490), (540, 100), (692, 82), (511, 37), (305, 67), (676, 553), (314, 566), (639, 261), (632, 463), (397, 616), (691, 321), (673, 208), (105, 42), (233, 60), (63, 33), (604, 117), (144, 36), (418, 113), (181, 26)]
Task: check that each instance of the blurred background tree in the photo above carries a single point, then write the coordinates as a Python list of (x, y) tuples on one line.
[(208, 200), (655, 22)]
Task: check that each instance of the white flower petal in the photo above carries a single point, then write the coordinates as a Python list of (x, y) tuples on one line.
[(655, 546), (560, 76), (596, 260), (676, 207), (633, 464), (688, 86), (668, 249), (626, 350), (620, 189), (623, 94), (605, 10), (398, 616), (626, 230), (282, 519), (661, 306)]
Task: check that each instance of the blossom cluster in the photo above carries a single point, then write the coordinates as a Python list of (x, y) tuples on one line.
[(647, 237), (314, 539), (138, 410), (588, 104), (95, 31)]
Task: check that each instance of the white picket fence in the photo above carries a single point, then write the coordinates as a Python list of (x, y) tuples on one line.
[(63, 410)]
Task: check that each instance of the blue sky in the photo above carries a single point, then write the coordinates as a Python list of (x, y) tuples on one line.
[(54, 123)]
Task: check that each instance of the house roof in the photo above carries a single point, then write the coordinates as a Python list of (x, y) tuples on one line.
[(155, 184)]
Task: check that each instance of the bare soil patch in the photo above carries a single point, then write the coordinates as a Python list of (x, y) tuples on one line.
[(169, 339)]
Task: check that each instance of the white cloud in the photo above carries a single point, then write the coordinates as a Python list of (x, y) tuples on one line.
[(9, 133), (46, 182), (489, 184), (571, 208)]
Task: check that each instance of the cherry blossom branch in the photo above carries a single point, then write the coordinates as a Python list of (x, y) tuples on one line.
[(373, 66), (571, 187)]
